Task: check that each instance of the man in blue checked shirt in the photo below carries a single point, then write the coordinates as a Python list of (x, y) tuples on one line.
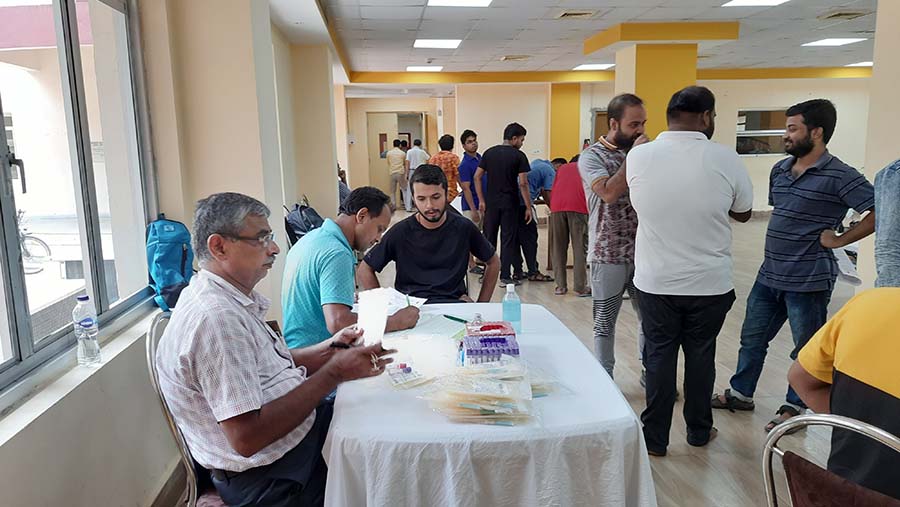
[(811, 192)]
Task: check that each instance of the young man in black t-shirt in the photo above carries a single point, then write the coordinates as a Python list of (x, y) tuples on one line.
[(506, 167), (431, 248)]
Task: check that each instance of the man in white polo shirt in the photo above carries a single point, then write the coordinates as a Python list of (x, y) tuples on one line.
[(684, 188)]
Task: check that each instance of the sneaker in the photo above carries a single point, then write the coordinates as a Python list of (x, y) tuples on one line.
[(506, 281), (731, 402)]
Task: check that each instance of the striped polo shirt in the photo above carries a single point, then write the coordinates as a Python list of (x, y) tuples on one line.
[(795, 260), (856, 352)]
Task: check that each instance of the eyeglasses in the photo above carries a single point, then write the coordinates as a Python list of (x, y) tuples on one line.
[(263, 241)]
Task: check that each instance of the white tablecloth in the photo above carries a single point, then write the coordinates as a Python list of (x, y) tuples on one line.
[(386, 447)]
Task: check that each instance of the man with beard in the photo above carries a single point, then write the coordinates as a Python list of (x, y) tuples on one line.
[(431, 248), (317, 289), (811, 192), (612, 222), (684, 188)]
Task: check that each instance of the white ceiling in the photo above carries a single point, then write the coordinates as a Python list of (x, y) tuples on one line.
[(378, 35)]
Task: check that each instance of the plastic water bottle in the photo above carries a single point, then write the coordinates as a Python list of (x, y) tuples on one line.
[(84, 320), (512, 308)]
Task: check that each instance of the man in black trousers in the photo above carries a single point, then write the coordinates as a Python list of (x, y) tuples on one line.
[(684, 188), (506, 167)]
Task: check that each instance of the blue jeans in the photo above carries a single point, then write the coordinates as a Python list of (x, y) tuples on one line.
[(887, 226), (767, 310)]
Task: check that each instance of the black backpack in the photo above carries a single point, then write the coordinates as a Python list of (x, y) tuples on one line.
[(300, 220)]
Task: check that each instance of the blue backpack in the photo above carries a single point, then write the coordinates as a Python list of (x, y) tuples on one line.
[(170, 260)]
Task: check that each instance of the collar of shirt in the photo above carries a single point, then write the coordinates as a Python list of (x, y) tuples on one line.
[(466, 156), (826, 158), (331, 227), (255, 303), (683, 135)]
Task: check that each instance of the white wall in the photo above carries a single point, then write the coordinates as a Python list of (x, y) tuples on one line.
[(100, 438), (284, 87), (850, 96), (489, 108)]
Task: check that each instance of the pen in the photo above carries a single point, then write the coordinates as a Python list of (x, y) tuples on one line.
[(456, 319), (407, 300), (339, 345)]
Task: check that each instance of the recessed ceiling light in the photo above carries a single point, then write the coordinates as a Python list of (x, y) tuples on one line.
[(860, 64), (424, 68), (834, 42), (595, 66), (754, 3), (437, 43), (459, 3)]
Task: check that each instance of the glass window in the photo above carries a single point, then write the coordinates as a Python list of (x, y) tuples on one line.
[(72, 203), (114, 151), (760, 132), (44, 194)]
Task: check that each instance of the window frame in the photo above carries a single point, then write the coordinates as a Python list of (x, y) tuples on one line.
[(30, 352)]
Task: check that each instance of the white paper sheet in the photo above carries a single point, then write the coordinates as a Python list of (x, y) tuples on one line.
[(373, 314)]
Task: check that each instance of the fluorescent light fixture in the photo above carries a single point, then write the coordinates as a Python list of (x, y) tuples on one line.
[(424, 68), (834, 42), (595, 66), (459, 3), (437, 43), (860, 64), (754, 3)]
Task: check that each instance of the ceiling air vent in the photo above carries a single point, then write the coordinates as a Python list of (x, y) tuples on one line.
[(841, 15), (575, 14), (514, 58)]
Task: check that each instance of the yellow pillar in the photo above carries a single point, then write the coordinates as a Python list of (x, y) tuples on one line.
[(884, 109), (654, 72), (565, 103)]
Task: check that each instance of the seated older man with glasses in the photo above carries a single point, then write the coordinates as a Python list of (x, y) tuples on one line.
[(248, 406)]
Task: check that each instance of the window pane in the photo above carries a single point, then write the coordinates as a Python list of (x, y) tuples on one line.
[(760, 145), (112, 124), (31, 87)]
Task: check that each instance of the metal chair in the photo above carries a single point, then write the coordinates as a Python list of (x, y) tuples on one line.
[(157, 326), (833, 421)]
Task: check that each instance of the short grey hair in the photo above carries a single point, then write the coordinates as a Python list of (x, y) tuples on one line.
[(224, 214)]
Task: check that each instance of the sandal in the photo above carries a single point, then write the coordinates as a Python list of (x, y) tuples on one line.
[(476, 270), (539, 277), (559, 291), (585, 294), (731, 402), (779, 418)]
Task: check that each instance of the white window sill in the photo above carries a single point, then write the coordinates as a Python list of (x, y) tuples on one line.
[(26, 400)]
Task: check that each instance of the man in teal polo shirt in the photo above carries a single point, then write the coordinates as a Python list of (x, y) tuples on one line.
[(318, 287)]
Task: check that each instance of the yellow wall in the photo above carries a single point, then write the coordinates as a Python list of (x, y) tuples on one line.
[(340, 126), (358, 159), (565, 104), (378, 123), (660, 71), (488, 108)]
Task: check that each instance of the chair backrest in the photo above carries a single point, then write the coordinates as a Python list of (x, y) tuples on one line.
[(157, 326), (833, 421)]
